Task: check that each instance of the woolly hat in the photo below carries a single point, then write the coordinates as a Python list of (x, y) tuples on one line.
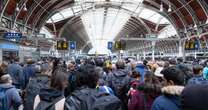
[(5, 78)]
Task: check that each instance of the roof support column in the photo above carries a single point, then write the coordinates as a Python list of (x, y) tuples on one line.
[(182, 49)]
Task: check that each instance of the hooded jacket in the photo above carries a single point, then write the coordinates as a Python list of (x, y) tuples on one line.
[(13, 97), (170, 100), (48, 98)]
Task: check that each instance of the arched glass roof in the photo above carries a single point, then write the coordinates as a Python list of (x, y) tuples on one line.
[(103, 24), (133, 6)]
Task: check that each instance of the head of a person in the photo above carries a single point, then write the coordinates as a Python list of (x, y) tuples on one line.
[(172, 62), (197, 69), (179, 60), (5, 79), (120, 64), (136, 75), (59, 80), (87, 76), (16, 59), (38, 69), (166, 64), (173, 76), (71, 66), (148, 77), (30, 61), (145, 62), (99, 62)]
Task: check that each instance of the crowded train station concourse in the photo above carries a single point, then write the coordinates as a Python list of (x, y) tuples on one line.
[(103, 54)]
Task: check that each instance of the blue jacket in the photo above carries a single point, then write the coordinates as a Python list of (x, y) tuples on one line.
[(28, 72), (16, 72), (106, 89), (166, 103), (198, 80), (170, 100)]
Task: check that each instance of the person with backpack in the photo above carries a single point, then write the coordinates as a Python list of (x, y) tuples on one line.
[(28, 72), (9, 95), (39, 81), (119, 81), (86, 96), (52, 98), (16, 72), (171, 92)]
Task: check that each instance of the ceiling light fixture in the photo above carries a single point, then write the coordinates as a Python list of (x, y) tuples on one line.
[(161, 7), (169, 8), (25, 7), (17, 7)]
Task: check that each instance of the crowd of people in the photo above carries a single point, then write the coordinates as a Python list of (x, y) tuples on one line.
[(99, 84)]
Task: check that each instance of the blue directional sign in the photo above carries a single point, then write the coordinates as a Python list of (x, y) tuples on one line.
[(10, 35), (110, 45), (72, 44)]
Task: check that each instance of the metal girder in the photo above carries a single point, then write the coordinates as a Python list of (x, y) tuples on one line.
[(31, 10), (40, 13), (21, 5), (45, 17), (166, 15), (204, 6), (5, 3), (150, 39), (190, 10), (179, 14), (139, 25), (116, 7)]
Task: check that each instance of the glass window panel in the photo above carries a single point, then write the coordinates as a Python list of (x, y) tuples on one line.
[(146, 13), (67, 12)]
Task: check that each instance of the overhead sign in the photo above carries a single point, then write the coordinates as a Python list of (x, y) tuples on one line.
[(120, 45), (62, 45), (72, 45), (11, 35), (151, 35), (110, 45), (193, 44)]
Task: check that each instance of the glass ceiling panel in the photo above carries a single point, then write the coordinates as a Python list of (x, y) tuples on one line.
[(168, 31), (102, 29)]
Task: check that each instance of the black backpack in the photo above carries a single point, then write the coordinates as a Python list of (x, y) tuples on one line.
[(89, 99), (120, 85), (33, 89), (45, 105)]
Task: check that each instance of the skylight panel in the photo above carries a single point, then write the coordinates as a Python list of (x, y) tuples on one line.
[(146, 13)]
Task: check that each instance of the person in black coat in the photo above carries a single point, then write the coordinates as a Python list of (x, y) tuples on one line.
[(194, 97)]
